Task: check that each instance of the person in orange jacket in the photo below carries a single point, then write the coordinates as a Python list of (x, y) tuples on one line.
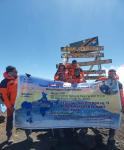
[(61, 74), (75, 73), (78, 76), (8, 91), (113, 76)]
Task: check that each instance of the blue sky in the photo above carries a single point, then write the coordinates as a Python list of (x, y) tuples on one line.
[(32, 31)]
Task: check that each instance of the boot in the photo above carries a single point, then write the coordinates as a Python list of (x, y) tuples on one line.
[(28, 135), (111, 144), (9, 140)]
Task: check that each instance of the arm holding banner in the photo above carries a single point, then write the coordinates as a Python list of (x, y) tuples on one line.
[(122, 100), (121, 96)]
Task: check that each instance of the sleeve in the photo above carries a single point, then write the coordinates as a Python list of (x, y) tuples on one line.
[(4, 93), (82, 75), (56, 76), (121, 93)]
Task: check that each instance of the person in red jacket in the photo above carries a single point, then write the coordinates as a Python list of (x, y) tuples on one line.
[(8, 91), (61, 74), (76, 75)]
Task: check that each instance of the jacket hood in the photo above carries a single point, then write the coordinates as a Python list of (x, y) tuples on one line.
[(7, 76)]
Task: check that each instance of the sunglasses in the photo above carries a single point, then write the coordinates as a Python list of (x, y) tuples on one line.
[(111, 72)]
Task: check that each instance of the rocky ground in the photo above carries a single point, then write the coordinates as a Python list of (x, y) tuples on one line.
[(49, 140)]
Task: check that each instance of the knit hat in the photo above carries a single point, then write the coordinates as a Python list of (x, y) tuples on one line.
[(74, 62), (10, 68)]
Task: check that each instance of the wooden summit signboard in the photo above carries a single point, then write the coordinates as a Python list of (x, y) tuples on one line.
[(93, 77), (97, 62), (88, 48), (81, 55), (94, 71), (82, 49)]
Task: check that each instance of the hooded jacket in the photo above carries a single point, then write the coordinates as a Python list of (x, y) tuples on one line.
[(8, 90)]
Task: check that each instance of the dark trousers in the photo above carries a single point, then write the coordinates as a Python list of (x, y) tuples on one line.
[(9, 123), (111, 134)]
